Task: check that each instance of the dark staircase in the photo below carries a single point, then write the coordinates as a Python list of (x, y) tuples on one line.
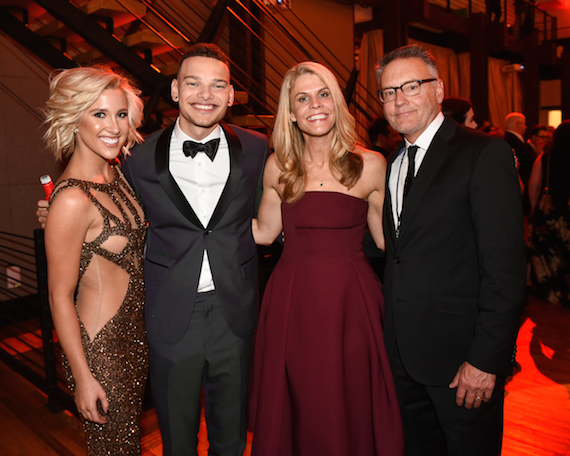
[(147, 39)]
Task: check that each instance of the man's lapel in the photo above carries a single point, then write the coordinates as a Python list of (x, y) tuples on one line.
[(436, 155), (162, 158), (161, 161), (236, 170), (389, 231)]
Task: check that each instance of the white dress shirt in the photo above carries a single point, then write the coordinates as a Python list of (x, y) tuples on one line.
[(202, 182), (399, 168)]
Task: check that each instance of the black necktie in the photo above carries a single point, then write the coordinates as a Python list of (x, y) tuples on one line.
[(191, 148), (411, 169)]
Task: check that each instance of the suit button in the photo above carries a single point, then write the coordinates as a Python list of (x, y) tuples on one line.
[(206, 232), (397, 260)]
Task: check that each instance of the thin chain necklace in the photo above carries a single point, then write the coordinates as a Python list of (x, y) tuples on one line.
[(321, 182)]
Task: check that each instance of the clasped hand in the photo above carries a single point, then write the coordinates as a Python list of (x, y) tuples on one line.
[(474, 386)]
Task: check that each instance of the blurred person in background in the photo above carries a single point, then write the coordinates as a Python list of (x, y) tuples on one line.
[(549, 245), (460, 110)]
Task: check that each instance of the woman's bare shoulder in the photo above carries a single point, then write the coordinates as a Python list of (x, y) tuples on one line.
[(372, 160), (71, 203)]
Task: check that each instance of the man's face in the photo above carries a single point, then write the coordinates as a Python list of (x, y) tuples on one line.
[(521, 125), (411, 115), (540, 139), (204, 93)]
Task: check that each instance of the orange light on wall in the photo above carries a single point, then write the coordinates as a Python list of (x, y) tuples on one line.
[(553, 4)]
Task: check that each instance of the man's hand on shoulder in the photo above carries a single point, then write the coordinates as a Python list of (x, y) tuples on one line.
[(42, 212)]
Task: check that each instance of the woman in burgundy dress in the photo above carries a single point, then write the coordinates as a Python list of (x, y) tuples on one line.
[(321, 382)]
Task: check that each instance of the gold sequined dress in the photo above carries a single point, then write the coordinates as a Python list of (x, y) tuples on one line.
[(111, 285)]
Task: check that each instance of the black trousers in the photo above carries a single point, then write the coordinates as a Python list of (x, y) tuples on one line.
[(208, 355), (435, 426)]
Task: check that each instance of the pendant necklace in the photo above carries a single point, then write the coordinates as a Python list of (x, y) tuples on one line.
[(321, 182)]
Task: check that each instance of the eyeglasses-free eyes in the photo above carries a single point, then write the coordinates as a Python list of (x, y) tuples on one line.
[(410, 89)]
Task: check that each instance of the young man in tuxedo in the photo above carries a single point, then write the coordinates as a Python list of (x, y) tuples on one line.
[(455, 266), (197, 181)]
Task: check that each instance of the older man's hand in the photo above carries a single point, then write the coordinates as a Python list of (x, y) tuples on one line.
[(474, 386)]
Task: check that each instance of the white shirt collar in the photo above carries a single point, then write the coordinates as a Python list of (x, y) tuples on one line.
[(425, 139), (181, 136)]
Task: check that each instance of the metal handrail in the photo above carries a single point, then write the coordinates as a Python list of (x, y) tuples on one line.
[(26, 330)]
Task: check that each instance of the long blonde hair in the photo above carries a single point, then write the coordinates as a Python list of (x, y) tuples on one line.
[(288, 141), (72, 93)]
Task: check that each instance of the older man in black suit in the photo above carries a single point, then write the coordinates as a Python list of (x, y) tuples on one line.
[(197, 181), (455, 268), (515, 129)]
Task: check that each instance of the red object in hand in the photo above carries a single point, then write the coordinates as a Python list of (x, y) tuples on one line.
[(47, 184)]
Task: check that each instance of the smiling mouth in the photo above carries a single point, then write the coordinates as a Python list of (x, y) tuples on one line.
[(404, 113), (317, 117), (204, 107), (110, 141)]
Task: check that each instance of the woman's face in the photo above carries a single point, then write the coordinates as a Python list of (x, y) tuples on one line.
[(312, 106), (105, 126), (470, 119)]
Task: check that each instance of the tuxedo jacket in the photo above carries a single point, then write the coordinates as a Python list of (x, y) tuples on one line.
[(454, 279), (176, 239)]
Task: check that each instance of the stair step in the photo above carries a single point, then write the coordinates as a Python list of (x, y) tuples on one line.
[(149, 40), (141, 39), (89, 56), (54, 28), (120, 14), (171, 69)]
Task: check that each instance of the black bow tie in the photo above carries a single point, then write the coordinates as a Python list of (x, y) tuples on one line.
[(191, 148)]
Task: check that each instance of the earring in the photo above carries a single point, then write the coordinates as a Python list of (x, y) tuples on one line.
[(75, 131)]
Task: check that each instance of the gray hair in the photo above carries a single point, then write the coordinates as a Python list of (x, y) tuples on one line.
[(407, 52)]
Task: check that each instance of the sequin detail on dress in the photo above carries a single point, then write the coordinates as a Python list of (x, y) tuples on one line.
[(118, 353)]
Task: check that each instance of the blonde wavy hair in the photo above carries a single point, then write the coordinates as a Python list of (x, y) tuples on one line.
[(72, 93), (288, 141)]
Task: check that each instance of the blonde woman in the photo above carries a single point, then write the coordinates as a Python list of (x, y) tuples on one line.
[(94, 239), (321, 379)]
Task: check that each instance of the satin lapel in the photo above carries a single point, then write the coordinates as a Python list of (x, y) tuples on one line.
[(161, 161), (436, 155), (236, 170), (390, 235)]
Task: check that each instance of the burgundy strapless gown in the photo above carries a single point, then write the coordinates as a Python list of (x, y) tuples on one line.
[(321, 382)]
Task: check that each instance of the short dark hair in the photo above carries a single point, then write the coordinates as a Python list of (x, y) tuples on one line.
[(210, 50), (378, 127), (456, 108), (534, 131), (407, 52)]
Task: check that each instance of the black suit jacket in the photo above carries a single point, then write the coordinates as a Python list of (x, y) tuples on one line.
[(454, 280), (176, 239), (525, 154)]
